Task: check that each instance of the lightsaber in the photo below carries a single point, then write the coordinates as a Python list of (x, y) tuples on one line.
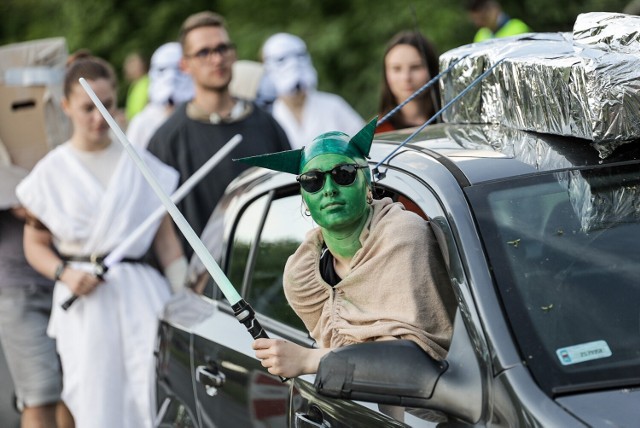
[(118, 253), (241, 309)]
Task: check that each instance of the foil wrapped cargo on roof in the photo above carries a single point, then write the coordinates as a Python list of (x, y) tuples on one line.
[(548, 82), (596, 204), (615, 32)]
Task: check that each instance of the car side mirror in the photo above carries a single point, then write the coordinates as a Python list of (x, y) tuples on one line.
[(398, 372), (393, 372)]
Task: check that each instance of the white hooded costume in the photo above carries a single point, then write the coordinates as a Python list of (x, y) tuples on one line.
[(288, 66), (168, 86)]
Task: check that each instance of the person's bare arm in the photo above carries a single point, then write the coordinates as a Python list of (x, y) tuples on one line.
[(287, 359), (40, 255), (166, 244), (169, 252)]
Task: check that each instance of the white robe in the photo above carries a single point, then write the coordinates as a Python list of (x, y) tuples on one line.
[(106, 339), (322, 112)]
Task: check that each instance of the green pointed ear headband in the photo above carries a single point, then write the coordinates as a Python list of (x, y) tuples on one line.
[(293, 161)]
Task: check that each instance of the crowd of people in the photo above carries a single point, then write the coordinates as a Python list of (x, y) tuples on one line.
[(90, 365)]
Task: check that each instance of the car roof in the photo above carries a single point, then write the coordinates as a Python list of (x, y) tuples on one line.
[(479, 153)]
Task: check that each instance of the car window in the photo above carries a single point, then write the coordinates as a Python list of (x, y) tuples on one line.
[(563, 250), (244, 236), (284, 229)]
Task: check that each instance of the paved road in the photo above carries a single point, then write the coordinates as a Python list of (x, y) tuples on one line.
[(9, 418)]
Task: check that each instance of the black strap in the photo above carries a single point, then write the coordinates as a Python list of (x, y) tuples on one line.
[(98, 259)]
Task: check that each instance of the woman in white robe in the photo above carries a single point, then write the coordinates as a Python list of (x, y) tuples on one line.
[(85, 197)]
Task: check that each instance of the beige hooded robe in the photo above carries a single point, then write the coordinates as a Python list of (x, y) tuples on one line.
[(397, 286)]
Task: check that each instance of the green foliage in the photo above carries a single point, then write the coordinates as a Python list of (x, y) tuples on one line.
[(346, 38)]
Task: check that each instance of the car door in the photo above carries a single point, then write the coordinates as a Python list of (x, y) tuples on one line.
[(231, 387)]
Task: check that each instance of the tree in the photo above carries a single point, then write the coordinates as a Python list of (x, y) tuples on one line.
[(346, 38)]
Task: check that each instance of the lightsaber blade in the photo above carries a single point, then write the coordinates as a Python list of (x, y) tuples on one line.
[(242, 310), (118, 253)]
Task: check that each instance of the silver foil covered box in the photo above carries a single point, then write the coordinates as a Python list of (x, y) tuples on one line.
[(575, 84)]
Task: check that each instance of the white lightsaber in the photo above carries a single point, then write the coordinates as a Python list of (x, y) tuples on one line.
[(242, 310), (118, 253)]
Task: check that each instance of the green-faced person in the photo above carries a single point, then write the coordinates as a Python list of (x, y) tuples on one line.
[(341, 210), (370, 271)]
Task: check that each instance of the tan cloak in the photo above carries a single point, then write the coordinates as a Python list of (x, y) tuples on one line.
[(392, 291)]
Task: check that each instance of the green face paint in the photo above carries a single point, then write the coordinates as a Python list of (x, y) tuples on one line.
[(340, 211)]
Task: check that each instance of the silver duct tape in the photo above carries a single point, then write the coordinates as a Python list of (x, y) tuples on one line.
[(615, 32), (547, 83), (50, 53)]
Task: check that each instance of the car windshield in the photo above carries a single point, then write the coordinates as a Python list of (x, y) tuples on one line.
[(563, 249)]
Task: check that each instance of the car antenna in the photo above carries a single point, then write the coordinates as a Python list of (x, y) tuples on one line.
[(379, 175), (424, 87)]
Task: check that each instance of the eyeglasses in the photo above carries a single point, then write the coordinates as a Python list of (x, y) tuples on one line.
[(205, 53), (343, 175)]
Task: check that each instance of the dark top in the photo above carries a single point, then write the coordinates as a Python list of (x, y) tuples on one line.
[(327, 270), (186, 144), (14, 269)]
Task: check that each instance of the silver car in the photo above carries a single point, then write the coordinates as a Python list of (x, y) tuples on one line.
[(540, 237)]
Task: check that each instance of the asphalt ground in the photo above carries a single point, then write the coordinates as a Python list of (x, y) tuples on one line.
[(9, 417)]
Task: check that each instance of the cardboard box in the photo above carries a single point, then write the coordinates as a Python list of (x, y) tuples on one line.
[(23, 123), (51, 53), (31, 119)]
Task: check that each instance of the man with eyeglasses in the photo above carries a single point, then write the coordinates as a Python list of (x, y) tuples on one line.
[(200, 127)]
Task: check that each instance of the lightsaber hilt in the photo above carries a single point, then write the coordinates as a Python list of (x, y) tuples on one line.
[(247, 316), (67, 303)]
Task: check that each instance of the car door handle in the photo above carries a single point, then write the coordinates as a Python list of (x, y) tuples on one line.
[(210, 377), (305, 421)]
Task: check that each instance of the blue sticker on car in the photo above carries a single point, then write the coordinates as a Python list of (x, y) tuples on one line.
[(583, 352)]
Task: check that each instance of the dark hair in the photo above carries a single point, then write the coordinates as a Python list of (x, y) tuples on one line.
[(83, 64), (431, 97), (478, 5), (198, 20)]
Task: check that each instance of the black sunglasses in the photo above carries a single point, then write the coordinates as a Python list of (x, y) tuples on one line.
[(205, 53), (343, 175)]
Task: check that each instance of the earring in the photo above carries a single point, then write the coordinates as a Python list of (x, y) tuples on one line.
[(307, 212), (369, 198)]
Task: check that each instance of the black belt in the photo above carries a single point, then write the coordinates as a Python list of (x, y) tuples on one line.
[(97, 259)]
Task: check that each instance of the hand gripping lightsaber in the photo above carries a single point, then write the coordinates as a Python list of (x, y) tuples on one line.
[(241, 309), (118, 253)]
